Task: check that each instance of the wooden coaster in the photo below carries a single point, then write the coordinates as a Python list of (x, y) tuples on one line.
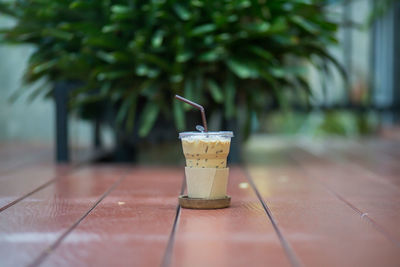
[(200, 203)]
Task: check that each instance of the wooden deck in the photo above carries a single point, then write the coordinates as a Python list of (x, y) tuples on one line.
[(301, 203)]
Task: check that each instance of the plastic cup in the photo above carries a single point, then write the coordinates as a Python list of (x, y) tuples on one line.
[(206, 155)]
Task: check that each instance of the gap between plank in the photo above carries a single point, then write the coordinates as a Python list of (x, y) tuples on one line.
[(363, 215), (166, 261), (74, 167), (294, 261), (52, 247), (40, 187), (372, 174), (30, 193)]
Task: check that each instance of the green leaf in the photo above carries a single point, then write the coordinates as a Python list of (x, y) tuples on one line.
[(110, 28), (80, 4), (90, 98), (179, 115), (148, 118), (107, 57), (112, 75), (224, 37), (157, 39), (57, 34), (209, 56), (176, 78), (242, 69), (122, 57), (123, 111), (142, 70), (304, 24), (260, 27), (183, 57), (203, 29), (182, 12), (44, 66), (278, 72), (197, 3), (279, 25), (127, 111), (120, 9), (120, 13), (215, 91), (261, 52)]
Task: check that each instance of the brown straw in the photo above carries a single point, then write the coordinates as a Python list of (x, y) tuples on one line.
[(200, 107)]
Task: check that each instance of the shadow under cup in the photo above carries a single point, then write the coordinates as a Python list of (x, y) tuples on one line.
[(206, 155)]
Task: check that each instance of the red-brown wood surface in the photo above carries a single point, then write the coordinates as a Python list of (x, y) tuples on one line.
[(374, 157), (322, 229), (377, 157), (29, 227), (16, 184), (367, 192), (130, 227), (237, 236)]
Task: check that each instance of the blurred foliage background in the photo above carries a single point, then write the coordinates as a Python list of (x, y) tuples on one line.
[(231, 56)]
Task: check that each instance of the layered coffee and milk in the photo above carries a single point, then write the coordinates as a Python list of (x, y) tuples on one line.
[(206, 151)]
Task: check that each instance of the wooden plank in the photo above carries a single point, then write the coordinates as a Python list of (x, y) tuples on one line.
[(368, 155), (32, 225), (322, 230), (241, 235), (390, 147), (17, 184), (128, 228), (381, 157), (368, 193), (385, 169)]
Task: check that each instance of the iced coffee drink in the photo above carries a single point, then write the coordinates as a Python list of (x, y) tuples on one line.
[(206, 155)]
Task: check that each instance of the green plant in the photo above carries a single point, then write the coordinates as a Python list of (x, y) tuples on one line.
[(222, 54)]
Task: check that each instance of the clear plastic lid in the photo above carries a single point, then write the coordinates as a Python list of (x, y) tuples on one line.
[(223, 134)]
